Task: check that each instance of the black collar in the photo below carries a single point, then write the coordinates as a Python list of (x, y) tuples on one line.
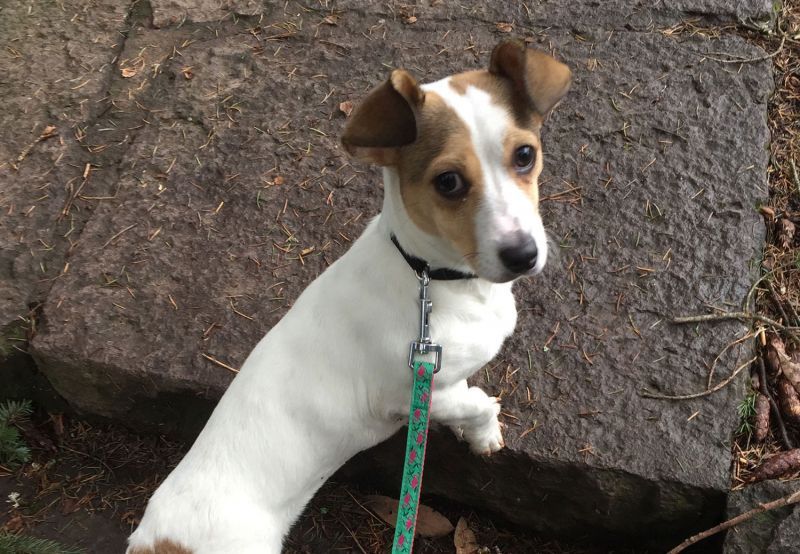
[(419, 265)]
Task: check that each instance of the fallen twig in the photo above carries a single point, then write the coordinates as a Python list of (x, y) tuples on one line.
[(749, 299), (109, 241), (48, 132), (720, 385), (779, 304), (776, 412), (735, 342), (796, 177), (218, 362), (779, 503), (740, 60), (742, 316)]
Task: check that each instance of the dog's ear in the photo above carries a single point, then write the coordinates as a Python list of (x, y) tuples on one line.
[(385, 120), (539, 78)]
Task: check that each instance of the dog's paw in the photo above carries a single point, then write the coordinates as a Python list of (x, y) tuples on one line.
[(487, 437)]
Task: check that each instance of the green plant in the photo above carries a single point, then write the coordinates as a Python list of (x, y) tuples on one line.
[(20, 544), (747, 412), (13, 450)]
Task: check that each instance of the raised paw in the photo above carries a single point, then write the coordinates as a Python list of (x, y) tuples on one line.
[(486, 437)]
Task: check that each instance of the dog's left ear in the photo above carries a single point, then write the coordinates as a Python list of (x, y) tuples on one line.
[(385, 120), (535, 75)]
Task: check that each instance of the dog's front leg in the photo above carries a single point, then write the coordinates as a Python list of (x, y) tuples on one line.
[(470, 413)]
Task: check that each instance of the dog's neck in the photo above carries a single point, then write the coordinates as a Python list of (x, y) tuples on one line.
[(394, 219)]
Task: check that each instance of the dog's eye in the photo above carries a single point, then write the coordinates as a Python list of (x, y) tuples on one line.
[(524, 157), (451, 185)]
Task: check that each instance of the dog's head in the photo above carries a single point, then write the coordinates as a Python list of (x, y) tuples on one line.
[(468, 154)]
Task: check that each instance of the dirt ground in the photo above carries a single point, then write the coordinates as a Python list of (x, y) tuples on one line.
[(777, 293), (88, 484)]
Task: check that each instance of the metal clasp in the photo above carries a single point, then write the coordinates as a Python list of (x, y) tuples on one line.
[(424, 345)]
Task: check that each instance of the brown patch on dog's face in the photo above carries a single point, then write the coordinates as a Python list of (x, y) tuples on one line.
[(503, 94), (163, 547), (481, 127), (525, 128), (527, 181), (444, 145)]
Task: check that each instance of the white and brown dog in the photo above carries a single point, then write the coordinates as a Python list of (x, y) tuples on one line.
[(461, 161)]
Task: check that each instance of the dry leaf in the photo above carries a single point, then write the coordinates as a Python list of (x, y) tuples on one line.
[(49, 131), (70, 506), (762, 418), (779, 361), (789, 400), (346, 108), (504, 27), (128, 72), (771, 357), (384, 507), (430, 523), (464, 539), (14, 524), (786, 231), (777, 466), (58, 424), (767, 212), (331, 19)]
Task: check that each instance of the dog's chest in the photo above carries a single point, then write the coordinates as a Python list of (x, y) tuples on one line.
[(472, 330)]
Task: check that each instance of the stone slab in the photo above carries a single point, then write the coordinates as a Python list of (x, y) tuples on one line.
[(773, 532), (232, 195), (642, 129), (622, 15), (609, 14), (55, 64), (176, 12)]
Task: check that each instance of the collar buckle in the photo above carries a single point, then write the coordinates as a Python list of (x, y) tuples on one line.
[(424, 344)]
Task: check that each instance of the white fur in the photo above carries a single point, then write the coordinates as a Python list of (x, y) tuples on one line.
[(505, 210), (330, 379)]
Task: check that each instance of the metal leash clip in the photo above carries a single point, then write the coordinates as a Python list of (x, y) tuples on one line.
[(424, 345)]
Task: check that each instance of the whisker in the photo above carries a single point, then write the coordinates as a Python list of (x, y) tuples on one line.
[(553, 251), (469, 256)]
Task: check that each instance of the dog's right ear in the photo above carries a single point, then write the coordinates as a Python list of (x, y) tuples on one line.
[(385, 120), (537, 77)]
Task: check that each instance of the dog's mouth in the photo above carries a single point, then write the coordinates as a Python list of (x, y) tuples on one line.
[(500, 274)]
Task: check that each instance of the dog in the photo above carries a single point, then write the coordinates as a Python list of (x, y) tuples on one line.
[(461, 159)]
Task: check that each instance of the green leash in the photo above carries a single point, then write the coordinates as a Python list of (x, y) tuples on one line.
[(416, 440), (418, 419)]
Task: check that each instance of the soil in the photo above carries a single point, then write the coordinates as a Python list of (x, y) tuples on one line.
[(88, 484)]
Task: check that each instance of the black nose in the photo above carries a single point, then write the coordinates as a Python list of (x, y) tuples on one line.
[(519, 254)]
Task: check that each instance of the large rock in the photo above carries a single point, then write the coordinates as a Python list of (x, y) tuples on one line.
[(177, 12), (55, 66), (622, 15), (660, 221), (231, 194), (773, 532)]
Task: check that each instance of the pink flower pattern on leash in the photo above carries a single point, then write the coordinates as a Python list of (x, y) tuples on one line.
[(415, 457)]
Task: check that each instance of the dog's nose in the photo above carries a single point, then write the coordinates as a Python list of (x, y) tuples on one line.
[(519, 254)]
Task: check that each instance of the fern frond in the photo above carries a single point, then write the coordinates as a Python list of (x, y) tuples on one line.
[(21, 544), (14, 410)]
